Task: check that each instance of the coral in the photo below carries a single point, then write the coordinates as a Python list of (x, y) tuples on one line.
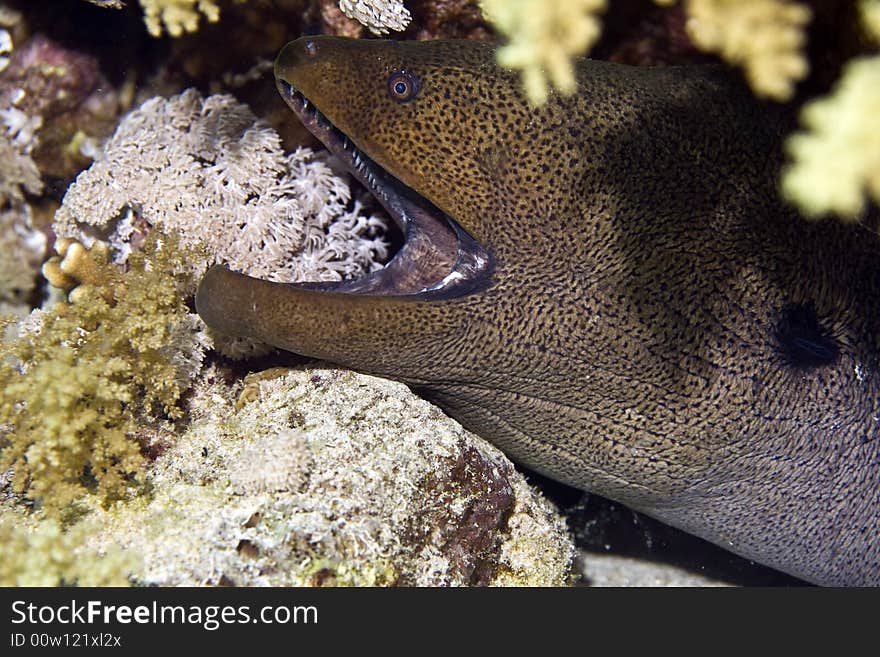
[(378, 15), (207, 171), (110, 4), (22, 249), (177, 16), (119, 356), (77, 270), (765, 37), (19, 172), (6, 47), (838, 160), (65, 98), (9, 21), (42, 553), (81, 378), (327, 477), (45, 78), (544, 36)]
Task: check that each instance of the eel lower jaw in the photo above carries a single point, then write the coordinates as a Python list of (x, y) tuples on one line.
[(438, 258)]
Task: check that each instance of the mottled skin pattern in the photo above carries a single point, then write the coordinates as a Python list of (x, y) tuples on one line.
[(642, 335)]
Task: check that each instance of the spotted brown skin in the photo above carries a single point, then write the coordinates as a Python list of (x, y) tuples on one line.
[(649, 322)]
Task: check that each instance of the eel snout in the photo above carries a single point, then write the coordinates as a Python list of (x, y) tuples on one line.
[(361, 331)]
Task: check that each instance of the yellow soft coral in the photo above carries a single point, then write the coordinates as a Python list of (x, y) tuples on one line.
[(178, 16), (544, 36), (838, 160), (765, 37), (79, 381), (43, 553)]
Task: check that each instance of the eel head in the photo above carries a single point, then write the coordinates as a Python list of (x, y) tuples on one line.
[(397, 116)]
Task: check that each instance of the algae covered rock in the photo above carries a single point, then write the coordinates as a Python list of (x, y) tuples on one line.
[(327, 477)]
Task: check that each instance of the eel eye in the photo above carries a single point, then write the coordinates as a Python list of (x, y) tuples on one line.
[(403, 86)]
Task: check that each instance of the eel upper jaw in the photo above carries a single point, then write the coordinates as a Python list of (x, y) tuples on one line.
[(438, 259)]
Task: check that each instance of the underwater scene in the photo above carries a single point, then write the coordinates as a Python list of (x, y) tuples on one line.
[(439, 293)]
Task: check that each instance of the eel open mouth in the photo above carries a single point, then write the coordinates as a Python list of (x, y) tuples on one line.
[(438, 258)]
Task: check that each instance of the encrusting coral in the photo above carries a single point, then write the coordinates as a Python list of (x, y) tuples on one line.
[(327, 477), (207, 171)]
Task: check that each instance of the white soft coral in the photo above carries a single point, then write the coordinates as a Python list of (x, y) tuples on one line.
[(208, 171)]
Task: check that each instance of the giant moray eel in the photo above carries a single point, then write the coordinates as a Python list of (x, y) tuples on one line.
[(606, 287)]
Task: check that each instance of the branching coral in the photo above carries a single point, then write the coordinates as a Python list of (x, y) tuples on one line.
[(207, 171), (544, 36), (838, 160), (81, 377), (178, 16), (766, 37), (378, 15)]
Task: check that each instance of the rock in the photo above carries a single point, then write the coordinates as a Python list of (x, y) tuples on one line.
[(328, 477)]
